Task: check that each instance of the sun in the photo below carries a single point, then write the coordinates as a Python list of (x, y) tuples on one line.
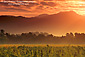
[(78, 7)]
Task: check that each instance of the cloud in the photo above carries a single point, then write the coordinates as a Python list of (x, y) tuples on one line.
[(17, 9), (44, 8), (49, 3)]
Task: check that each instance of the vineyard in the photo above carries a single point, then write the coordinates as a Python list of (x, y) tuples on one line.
[(42, 51)]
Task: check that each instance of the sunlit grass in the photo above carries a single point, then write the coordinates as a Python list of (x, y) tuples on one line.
[(43, 45)]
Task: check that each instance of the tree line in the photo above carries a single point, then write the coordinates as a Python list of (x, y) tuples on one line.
[(36, 36)]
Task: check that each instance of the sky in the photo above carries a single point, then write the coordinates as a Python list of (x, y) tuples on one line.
[(35, 9)]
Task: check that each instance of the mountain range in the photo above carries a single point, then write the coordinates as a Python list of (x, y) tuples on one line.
[(57, 24)]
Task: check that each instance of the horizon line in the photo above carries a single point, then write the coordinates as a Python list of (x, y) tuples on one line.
[(33, 1)]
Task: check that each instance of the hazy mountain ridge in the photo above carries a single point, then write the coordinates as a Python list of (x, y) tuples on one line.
[(43, 22)]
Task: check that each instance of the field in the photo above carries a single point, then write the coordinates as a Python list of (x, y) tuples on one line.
[(43, 45), (38, 50)]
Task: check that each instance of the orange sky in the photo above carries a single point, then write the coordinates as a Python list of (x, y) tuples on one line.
[(43, 8)]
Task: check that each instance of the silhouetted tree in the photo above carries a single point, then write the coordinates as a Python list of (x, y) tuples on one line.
[(2, 31), (69, 35)]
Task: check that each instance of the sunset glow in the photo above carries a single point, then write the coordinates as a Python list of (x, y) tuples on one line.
[(42, 28), (46, 7)]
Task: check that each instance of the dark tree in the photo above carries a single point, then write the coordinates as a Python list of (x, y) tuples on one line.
[(2, 31)]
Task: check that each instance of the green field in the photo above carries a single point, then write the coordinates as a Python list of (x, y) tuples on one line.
[(21, 50)]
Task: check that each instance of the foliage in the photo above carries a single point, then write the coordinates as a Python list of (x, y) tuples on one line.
[(41, 51), (41, 37)]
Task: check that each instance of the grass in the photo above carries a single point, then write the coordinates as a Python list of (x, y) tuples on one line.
[(32, 45)]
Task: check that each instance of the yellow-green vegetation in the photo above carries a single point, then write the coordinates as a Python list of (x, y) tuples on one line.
[(42, 51)]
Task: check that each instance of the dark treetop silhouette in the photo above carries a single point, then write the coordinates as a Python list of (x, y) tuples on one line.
[(41, 38)]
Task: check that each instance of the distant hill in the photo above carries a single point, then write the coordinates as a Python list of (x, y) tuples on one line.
[(56, 24)]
